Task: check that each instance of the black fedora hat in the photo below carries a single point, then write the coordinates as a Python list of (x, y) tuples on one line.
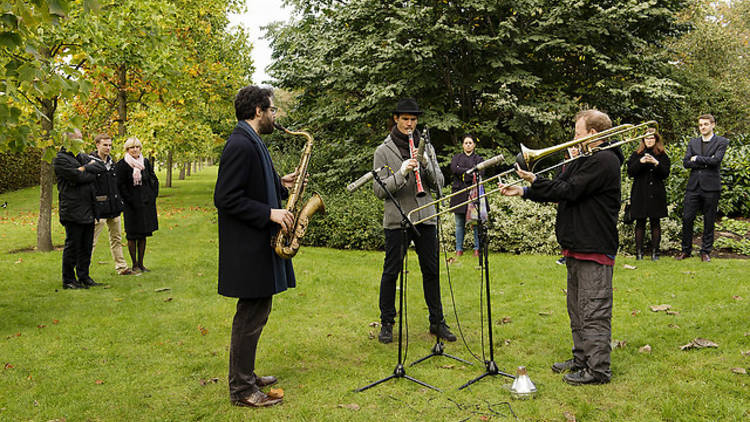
[(407, 106)]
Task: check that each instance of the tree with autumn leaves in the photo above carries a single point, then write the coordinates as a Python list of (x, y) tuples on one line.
[(163, 70)]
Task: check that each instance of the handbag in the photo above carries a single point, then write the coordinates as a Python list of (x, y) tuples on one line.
[(627, 216), (472, 216)]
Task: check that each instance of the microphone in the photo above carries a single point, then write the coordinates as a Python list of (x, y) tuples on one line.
[(486, 163), (362, 180)]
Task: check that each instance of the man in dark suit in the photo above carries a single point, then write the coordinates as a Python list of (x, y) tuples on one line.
[(703, 157), (248, 197)]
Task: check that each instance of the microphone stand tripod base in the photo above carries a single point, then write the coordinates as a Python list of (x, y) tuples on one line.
[(491, 370), (398, 372), (439, 350)]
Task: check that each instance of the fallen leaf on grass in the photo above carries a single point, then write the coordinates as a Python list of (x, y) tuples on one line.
[(162, 289), (36, 403), (450, 260), (98, 382), (645, 349), (569, 417), (8, 366), (657, 308), (565, 291), (374, 324), (352, 406), (169, 299), (737, 297), (618, 344), (448, 366), (505, 320), (742, 371), (29, 377), (202, 329), (117, 299), (675, 326), (672, 313), (276, 393), (371, 335), (635, 312), (506, 342), (699, 343), (746, 353), (20, 260), (55, 321), (484, 418), (629, 267), (545, 313), (208, 381)]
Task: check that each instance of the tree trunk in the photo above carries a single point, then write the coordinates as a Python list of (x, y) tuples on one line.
[(187, 169), (182, 172), (169, 169), (195, 166), (46, 179), (122, 100)]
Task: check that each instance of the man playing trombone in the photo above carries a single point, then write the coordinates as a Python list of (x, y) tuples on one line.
[(588, 197), (404, 181)]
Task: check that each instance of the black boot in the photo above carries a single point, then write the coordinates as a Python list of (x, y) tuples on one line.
[(654, 255), (640, 228), (386, 333), (655, 239)]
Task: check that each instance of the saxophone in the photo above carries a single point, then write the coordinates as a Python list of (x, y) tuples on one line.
[(287, 245)]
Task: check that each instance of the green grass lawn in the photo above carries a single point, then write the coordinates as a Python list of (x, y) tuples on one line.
[(130, 352)]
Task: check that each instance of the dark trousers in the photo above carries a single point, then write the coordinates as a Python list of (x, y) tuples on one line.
[(76, 259), (590, 311), (427, 251), (249, 320), (708, 204)]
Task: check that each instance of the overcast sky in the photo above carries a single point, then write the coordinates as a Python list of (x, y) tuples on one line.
[(259, 13)]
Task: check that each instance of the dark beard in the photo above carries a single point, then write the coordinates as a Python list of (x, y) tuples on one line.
[(265, 126)]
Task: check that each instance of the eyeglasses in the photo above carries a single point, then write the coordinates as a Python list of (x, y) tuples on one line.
[(274, 110)]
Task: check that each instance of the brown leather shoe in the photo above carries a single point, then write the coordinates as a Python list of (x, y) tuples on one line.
[(265, 381), (257, 399), (705, 257), (682, 256)]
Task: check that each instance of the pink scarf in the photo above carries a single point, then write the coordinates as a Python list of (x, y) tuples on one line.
[(137, 165)]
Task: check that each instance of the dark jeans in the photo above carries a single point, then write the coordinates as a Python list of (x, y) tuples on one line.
[(707, 203), (427, 251), (590, 311), (76, 259), (249, 320)]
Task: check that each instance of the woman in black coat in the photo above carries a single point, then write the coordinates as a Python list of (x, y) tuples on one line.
[(649, 167), (462, 162), (139, 188)]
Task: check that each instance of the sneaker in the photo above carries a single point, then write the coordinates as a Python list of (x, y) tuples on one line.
[(459, 253), (441, 331), (568, 365), (386, 334), (476, 252), (583, 377)]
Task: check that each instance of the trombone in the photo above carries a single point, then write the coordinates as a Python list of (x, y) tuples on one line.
[(527, 159)]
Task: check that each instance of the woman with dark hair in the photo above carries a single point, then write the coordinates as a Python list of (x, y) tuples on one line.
[(649, 167), (139, 188), (462, 162)]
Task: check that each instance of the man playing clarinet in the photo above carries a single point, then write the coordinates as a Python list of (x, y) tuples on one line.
[(408, 181)]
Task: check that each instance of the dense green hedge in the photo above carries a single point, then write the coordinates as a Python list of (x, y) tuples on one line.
[(19, 170), (354, 220)]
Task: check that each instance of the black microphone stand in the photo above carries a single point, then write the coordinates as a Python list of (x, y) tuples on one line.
[(439, 348), (406, 224), (484, 264)]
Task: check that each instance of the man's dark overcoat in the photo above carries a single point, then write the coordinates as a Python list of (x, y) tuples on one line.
[(245, 226)]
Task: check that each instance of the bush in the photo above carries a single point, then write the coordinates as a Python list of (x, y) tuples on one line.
[(19, 170), (351, 221)]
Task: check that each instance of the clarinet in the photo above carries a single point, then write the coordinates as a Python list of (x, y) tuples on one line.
[(415, 154)]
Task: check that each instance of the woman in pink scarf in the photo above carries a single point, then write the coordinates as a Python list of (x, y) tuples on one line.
[(139, 188)]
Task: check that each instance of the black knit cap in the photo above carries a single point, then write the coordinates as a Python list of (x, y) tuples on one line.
[(407, 106)]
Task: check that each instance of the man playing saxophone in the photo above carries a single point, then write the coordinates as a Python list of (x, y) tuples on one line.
[(403, 170), (248, 197)]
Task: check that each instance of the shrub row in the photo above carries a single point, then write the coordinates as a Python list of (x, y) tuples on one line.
[(19, 170)]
